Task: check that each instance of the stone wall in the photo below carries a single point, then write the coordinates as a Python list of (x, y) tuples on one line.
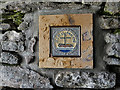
[(19, 42)]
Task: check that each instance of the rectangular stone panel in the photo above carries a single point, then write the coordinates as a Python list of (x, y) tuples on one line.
[(66, 41)]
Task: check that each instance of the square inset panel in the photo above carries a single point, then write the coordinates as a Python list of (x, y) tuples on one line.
[(65, 41)]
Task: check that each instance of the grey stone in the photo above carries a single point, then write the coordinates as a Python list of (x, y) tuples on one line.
[(109, 23), (4, 26), (13, 41), (8, 58), (14, 5), (13, 36), (112, 61), (18, 77), (118, 36), (1, 35), (22, 6), (23, 26), (31, 44), (118, 46), (33, 6), (12, 46), (85, 80), (1, 12), (112, 7), (113, 49), (110, 49), (29, 57), (10, 5), (91, 7), (28, 19), (93, 3), (110, 38)]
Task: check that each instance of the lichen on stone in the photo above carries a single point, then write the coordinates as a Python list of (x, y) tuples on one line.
[(15, 16), (112, 7), (117, 31), (102, 12)]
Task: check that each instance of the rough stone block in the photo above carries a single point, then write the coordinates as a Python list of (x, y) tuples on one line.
[(112, 61), (111, 38), (94, 80), (8, 58), (46, 24), (22, 6), (18, 77), (109, 23), (12, 46), (23, 26), (93, 3), (28, 20), (4, 26), (113, 49), (112, 7), (13, 36)]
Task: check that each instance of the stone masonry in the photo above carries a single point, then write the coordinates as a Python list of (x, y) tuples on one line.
[(19, 43)]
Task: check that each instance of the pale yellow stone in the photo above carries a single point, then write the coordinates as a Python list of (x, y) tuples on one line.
[(46, 60)]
